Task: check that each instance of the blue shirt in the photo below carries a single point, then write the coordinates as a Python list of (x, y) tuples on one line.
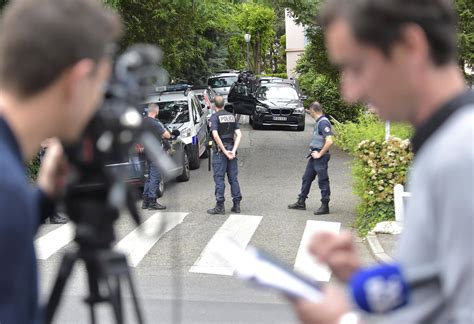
[(21, 208), (154, 126)]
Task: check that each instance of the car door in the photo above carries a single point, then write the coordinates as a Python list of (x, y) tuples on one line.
[(242, 100), (199, 123)]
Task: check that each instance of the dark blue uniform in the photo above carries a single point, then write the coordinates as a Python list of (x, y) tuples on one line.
[(21, 209), (318, 167), (225, 124), (151, 184)]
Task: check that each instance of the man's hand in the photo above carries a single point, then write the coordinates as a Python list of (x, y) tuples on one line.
[(53, 170), (230, 155), (316, 155), (337, 251), (328, 311)]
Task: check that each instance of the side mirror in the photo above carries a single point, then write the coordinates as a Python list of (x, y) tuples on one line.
[(203, 106), (303, 97)]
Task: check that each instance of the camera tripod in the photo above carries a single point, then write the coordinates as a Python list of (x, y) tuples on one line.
[(106, 269)]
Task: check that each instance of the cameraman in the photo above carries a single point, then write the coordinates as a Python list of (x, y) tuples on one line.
[(54, 63), (400, 55)]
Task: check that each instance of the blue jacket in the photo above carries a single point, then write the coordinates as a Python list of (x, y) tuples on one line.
[(21, 208)]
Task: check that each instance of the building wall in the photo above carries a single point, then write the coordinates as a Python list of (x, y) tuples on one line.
[(295, 43)]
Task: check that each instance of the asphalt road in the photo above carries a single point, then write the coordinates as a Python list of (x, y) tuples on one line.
[(271, 163)]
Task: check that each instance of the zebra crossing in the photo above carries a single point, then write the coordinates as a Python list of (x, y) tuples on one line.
[(237, 227)]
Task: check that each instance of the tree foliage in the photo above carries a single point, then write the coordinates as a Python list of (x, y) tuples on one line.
[(465, 9), (189, 32), (256, 20)]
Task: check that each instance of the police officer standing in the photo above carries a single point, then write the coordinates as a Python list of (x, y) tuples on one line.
[(151, 184), (318, 161), (226, 135)]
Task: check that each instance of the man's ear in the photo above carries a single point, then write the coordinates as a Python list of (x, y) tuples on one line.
[(415, 42), (77, 74)]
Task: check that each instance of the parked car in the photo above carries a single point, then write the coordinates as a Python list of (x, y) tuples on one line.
[(276, 103), (222, 83), (181, 109), (136, 167), (292, 82)]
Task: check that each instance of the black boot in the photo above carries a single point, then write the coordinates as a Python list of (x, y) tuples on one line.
[(154, 205), (300, 204), (324, 209), (145, 203), (236, 207), (219, 209), (57, 219)]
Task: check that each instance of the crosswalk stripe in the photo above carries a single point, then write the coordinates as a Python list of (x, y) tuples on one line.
[(239, 228), (138, 242), (52, 242), (305, 263)]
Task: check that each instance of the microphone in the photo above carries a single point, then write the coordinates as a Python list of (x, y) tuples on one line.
[(384, 288)]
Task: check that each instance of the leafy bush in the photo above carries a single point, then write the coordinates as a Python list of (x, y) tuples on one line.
[(33, 167), (377, 168), (276, 75), (326, 91), (367, 126)]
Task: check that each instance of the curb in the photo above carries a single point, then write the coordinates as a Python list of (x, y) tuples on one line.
[(377, 249)]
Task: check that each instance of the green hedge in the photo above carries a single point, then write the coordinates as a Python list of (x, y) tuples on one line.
[(377, 167), (276, 75), (367, 126), (326, 91), (33, 167)]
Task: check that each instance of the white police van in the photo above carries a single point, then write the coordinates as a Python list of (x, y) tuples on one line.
[(181, 109)]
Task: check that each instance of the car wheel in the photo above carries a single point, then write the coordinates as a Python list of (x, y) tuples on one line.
[(194, 160), (186, 171), (161, 188)]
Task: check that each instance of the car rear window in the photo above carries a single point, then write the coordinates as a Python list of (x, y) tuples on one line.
[(221, 82), (269, 92)]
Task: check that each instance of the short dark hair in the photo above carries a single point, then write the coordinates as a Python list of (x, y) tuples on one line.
[(316, 106), (219, 101), (40, 39), (153, 107), (380, 23)]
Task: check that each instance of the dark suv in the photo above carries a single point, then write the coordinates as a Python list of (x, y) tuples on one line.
[(276, 103)]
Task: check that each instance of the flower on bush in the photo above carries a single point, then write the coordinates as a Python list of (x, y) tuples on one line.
[(378, 167)]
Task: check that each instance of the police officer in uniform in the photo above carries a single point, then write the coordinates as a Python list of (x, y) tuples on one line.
[(226, 135), (152, 182), (318, 161)]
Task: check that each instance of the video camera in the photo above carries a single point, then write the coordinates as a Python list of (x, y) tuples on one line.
[(95, 196), (111, 136)]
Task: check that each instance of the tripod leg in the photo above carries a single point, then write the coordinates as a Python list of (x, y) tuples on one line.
[(115, 297), (64, 272), (94, 296), (92, 313), (138, 313)]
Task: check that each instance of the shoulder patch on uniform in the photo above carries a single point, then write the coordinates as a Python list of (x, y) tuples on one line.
[(327, 129), (227, 119)]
